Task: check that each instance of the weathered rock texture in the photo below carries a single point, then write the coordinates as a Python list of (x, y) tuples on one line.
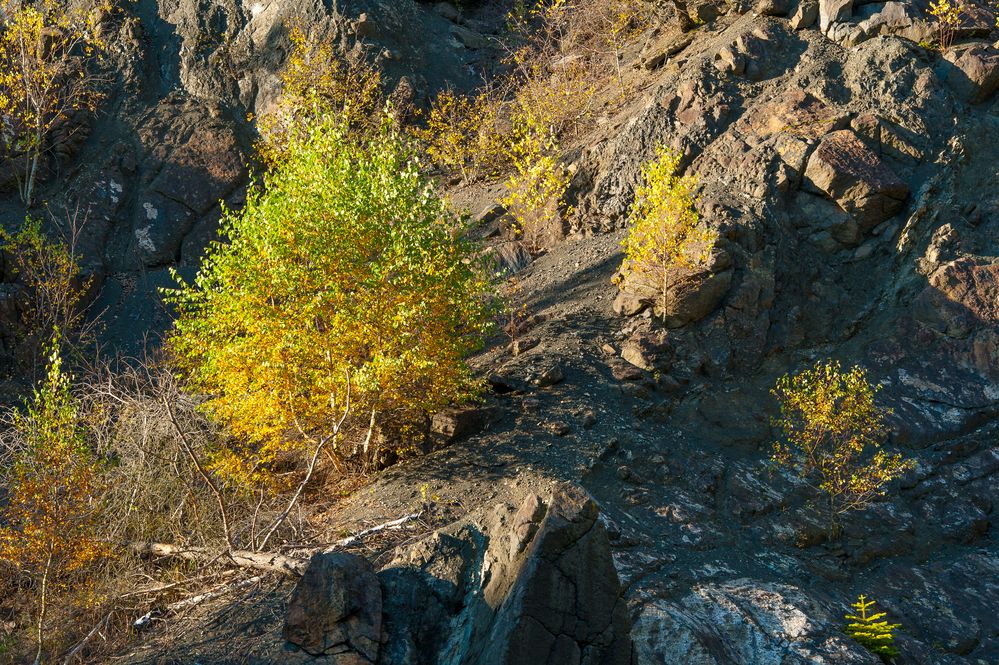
[(506, 585), (851, 175), (336, 610)]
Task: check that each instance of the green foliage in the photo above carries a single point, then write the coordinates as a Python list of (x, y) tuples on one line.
[(832, 424), (347, 286), (871, 629), (665, 239)]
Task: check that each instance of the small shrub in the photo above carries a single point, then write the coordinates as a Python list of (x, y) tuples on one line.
[(832, 426), (514, 314), (461, 134), (665, 239), (948, 18), (534, 193), (53, 514), (871, 629), (50, 271)]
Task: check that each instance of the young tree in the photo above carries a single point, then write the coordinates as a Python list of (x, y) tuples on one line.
[(52, 513), (665, 239), (46, 75), (534, 193), (948, 19), (872, 630), (49, 269), (317, 81), (347, 287), (834, 432)]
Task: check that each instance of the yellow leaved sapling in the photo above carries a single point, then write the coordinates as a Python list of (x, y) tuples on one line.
[(665, 239), (47, 73), (535, 191), (318, 80), (347, 297), (52, 513), (833, 432), (50, 270), (947, 14)]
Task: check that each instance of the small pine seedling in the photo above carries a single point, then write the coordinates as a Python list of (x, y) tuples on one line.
[(871, 629)]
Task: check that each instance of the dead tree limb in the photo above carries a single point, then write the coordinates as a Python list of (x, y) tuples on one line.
[(172, 608), (358, 537), (265, 561)]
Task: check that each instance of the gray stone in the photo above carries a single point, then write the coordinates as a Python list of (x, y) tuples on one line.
[(336, 610), (832, 11), (469, 38), (743, 621), (510, 587), (973, 73)]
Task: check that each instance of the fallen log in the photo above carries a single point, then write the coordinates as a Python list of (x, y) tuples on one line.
[(271, 562), (266, 561)]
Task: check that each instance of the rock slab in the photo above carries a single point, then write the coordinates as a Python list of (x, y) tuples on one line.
[(336, 610), (852, 175)]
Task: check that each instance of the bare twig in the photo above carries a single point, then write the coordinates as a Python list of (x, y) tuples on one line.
[(308, 474)]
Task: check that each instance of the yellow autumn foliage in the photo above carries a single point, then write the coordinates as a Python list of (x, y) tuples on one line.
[(45, 74), (665, 238), (52, 512), (317, 80), (833, 433), (347, 287)]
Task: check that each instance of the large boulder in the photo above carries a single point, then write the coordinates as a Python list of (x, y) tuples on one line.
[(336, 610), (833, 11), (509, 586), (692, 294), (973, 73), (852, 175)]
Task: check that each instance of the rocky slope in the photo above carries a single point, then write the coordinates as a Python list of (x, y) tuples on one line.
[(854, 180)]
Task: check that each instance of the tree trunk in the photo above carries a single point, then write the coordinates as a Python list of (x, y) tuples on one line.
[(42, 607)]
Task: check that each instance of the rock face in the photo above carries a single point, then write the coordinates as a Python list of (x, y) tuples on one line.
[(535, 584), (848, 172), (506, 585), (743, 621), (336, 610), (974, 75), (831, 11)]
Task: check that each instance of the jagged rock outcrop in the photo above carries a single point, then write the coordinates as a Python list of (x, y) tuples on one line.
[(336, 610), (505, 586)]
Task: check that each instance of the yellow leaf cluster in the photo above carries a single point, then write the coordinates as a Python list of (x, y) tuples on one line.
[(317, 80), (948, 18), (44, 73), (834, 431), (52, 517), (535, 190), (665, 238)]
